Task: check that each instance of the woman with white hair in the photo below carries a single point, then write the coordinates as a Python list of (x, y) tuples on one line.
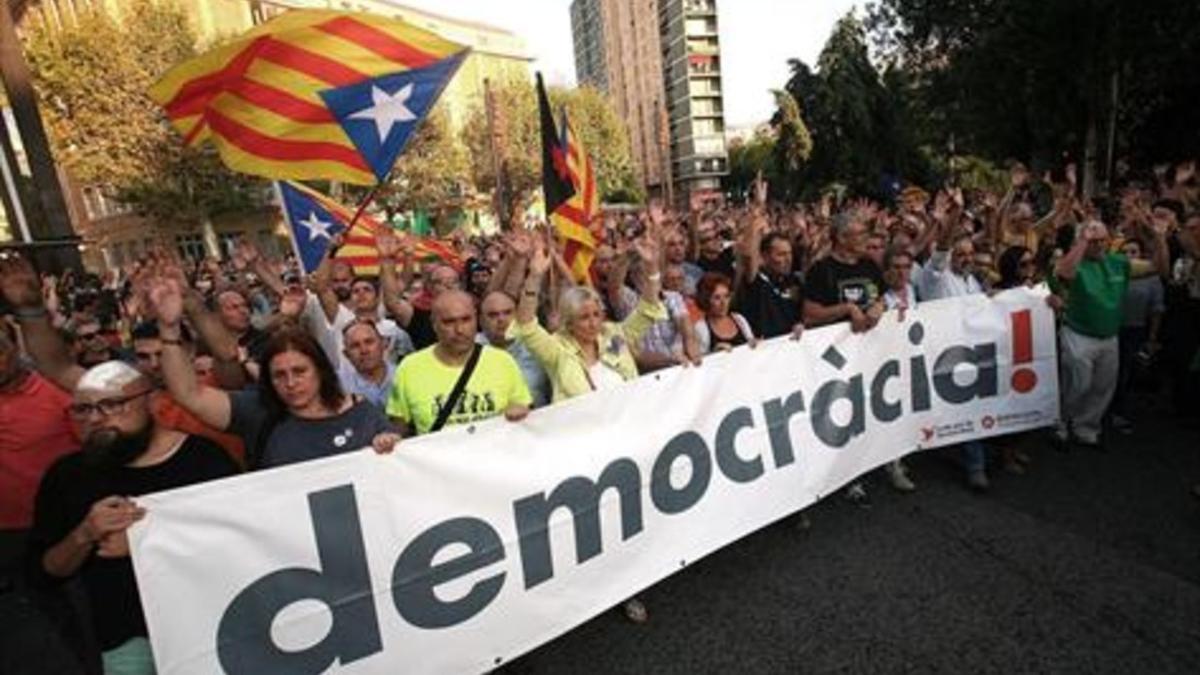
[(588, 353)]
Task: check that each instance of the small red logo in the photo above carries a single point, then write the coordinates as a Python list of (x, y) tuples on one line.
[(988, 421), (927, 432)]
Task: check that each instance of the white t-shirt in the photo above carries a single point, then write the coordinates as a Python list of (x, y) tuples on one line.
[(330, 336)]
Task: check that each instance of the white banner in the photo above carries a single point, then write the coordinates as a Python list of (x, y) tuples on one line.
[(467, 548)]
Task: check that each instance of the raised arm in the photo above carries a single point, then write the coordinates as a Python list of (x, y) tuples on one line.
[(321, 280), (388, 245), (1068, 264), (247, 254), (21, 287), (211, 406)]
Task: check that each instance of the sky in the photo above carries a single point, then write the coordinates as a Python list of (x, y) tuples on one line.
[(757, 39)]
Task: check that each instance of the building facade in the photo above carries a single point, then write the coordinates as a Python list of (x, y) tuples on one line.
[(659, 61)]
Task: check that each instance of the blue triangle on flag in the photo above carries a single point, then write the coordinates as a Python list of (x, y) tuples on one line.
[(380, 114), (312, 225)]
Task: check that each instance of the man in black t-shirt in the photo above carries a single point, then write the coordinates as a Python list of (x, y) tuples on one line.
[(769, 293), (84, 508), (846, 285)]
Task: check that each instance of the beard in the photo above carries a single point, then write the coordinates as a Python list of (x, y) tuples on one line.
[(111, 448)]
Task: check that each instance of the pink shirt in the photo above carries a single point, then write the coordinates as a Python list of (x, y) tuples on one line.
[(35, 430)]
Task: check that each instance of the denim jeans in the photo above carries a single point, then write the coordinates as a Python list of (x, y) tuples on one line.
[(974, 456)]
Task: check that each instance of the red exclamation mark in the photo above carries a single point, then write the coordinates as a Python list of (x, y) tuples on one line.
[(1023, 379)]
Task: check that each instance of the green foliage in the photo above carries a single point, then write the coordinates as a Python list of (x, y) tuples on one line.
[(856, 123), (592, 117), (746, 159), (92, 76), (1027, 79)]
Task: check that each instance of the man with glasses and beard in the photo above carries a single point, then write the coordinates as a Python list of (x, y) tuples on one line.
[(84, 505)]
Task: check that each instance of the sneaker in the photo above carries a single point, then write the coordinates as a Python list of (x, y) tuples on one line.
[(635, 611), (900, 479), (1060, 441), (857, 494), (978, 481), (1096, 444)]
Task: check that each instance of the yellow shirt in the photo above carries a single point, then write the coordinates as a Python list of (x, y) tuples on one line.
[(423, 383)]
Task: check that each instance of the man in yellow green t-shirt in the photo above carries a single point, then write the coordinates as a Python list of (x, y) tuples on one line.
[(425, 380)]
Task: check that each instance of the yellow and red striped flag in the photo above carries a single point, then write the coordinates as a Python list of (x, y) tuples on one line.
[(575, 221), (312, 94), (314, 218)]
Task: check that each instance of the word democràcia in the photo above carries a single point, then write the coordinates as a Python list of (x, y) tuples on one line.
[(342, 582)]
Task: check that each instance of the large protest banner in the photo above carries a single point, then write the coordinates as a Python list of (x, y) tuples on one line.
[(465, 549)]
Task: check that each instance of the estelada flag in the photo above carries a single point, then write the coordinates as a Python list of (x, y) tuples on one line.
[(314, 218), (575, 220), (556, 180), (312, 94)]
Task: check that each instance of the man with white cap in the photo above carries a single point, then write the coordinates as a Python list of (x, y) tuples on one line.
[(85, 504)]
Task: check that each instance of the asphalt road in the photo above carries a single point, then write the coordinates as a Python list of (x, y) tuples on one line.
[(1088, 564)]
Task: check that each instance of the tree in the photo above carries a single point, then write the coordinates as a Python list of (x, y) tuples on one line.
[(1035, 80), (855, 122), (794, 144), (746, 159), (92, 75), (592, 117)]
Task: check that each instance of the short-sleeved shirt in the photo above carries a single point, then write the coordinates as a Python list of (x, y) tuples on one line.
[(291, 439), (68, 491), (833, 282), (772, 304), (423, 385), (375, 393), (1096, 296), (35, 430)]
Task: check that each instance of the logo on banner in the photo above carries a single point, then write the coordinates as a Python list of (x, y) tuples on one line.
[(988, 422)]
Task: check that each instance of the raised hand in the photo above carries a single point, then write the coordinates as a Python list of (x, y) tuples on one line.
[(387, 244), (166, 300), (1072, 179), (759, 189), (540, 263), (245, 254), (19, 283), (520, 244), (647, 249)]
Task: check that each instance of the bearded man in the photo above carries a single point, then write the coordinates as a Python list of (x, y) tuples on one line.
[(85, 503)]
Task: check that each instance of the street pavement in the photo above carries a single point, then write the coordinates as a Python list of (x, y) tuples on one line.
[(1088, 564)]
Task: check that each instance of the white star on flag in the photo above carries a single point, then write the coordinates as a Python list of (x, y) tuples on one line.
[(316, 226), (388, 110)]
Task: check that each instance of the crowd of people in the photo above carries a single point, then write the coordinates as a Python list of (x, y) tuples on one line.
[(171, 372)]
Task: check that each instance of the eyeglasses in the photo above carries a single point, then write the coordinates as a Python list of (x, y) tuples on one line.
[(105, 406), (92, 335)]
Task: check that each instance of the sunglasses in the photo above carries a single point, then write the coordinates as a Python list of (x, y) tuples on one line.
[(105, 406)]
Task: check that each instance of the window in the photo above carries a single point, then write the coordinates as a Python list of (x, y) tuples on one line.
[(191, 246)]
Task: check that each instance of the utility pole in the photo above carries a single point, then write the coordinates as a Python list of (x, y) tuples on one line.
[(496, 144), (56, 230)]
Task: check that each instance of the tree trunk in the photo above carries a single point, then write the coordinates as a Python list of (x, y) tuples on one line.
[(1091, 152), (56, 226), (1113, 108)]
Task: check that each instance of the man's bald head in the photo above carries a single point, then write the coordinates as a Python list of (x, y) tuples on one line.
[(111, 404), (453, 315), (496, 315)]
